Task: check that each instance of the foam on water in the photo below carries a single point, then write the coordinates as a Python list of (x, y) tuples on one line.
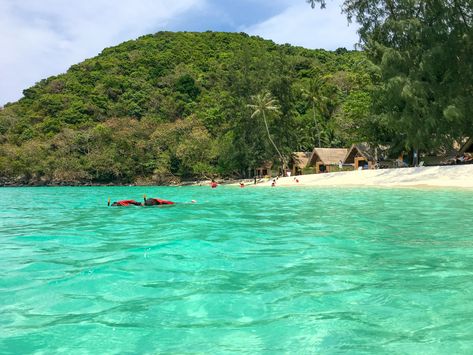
[(299, 270)]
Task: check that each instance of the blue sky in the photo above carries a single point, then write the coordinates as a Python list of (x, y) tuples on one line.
[(40, 38)]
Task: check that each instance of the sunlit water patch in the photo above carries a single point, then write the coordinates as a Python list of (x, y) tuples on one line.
[(295, 270)]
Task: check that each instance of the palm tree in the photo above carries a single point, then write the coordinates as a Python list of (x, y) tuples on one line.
[(318, 101), (264, 103)]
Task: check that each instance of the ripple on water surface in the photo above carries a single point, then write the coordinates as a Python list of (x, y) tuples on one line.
[(301, 270)]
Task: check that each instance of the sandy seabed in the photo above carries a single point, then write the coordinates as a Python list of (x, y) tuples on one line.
[(460, 176)]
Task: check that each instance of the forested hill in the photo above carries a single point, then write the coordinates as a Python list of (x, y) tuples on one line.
[(175, 105)]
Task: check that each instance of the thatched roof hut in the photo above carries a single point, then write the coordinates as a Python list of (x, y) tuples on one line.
[(264, 169), (299, 162), (323, 158), (360, 155)]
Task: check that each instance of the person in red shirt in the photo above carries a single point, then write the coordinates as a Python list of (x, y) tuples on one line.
[(125, 203), (213, 184)]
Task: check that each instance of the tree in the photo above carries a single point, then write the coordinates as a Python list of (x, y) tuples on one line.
[(264, 103), (175, 105), (318, 101), (423, 50), (314, 2)]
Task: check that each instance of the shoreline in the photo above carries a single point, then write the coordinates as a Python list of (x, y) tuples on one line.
[(111, 184), (451, 176)]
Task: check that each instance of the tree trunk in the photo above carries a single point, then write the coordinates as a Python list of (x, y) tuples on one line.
[(274, 145), (316, 123)]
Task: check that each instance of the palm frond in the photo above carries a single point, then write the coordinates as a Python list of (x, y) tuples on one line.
[(255, 113)]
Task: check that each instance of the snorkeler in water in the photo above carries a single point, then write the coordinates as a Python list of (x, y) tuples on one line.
[(125, 203), (156, 202), (146, 202)]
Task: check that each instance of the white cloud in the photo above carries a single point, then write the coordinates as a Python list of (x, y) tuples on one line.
[(43, 38), (40, 38), (302, 26)]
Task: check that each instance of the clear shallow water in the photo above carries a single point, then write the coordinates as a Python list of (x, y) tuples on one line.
[(243, 270)]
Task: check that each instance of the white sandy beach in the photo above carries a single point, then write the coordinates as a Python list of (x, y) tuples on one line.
[(460, 176)]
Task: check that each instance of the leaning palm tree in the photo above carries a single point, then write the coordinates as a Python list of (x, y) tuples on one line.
[(264, 103)]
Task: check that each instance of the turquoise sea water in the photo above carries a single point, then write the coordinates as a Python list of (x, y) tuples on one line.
[(283, 270)]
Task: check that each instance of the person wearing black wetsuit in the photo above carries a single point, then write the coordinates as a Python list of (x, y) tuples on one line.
[(157, 202)]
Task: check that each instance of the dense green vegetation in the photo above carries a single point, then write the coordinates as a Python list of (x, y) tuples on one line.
[(179, 105), (424, 51)]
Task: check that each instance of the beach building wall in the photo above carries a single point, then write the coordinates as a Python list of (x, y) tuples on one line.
[(265, 170)]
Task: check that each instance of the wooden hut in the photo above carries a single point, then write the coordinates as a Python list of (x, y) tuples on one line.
[(264, 169), (325, 159), (299, 162), (360, 155)]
